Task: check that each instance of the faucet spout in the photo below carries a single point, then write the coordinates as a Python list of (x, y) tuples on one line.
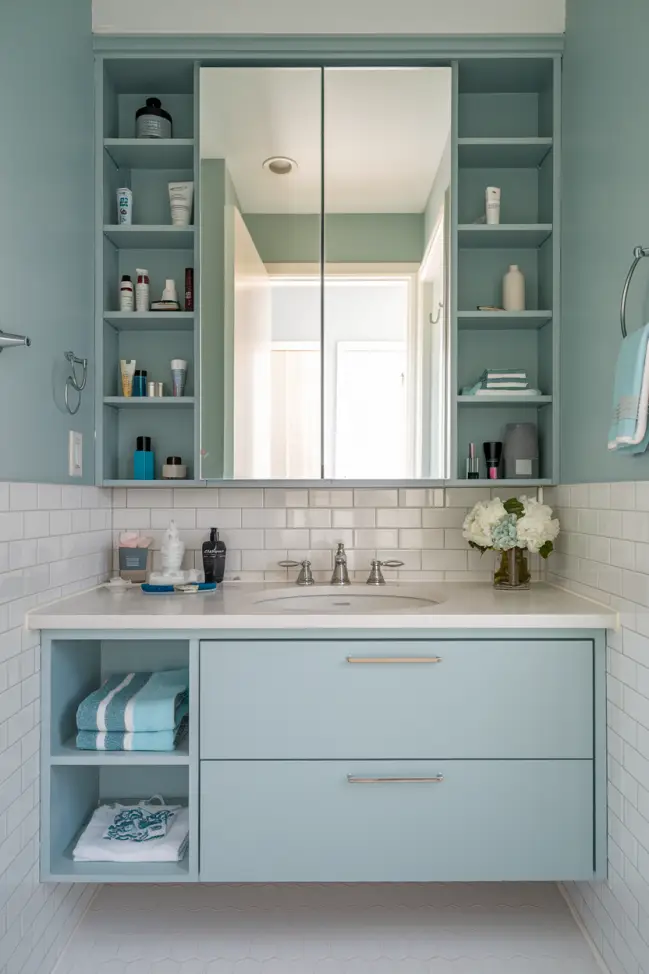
[(340, 574)]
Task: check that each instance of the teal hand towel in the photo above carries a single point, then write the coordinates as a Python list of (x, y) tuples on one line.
[(628, 430)]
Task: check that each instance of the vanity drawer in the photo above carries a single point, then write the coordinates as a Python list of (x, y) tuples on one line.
[(281, 699), (296, 821)]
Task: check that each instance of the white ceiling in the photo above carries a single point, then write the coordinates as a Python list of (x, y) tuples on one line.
[(385, 131)]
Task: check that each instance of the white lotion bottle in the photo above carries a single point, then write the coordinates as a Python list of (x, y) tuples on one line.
[(142, 290), (514, 289), (492, 205)]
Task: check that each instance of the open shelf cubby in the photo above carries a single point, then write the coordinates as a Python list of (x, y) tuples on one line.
[(75, 782), (153, 339), (508, 135)]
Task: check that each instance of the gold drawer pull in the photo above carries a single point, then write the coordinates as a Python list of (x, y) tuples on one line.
[(394, 659), (357, 780)]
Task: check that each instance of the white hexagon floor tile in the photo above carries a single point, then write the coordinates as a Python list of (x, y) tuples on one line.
[(457, 928)]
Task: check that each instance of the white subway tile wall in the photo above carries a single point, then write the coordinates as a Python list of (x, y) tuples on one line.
[(602, 553), (420, 527), (53, 541)]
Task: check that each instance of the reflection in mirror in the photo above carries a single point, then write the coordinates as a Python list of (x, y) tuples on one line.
[(349, 381), (260, 199), (386, 171)]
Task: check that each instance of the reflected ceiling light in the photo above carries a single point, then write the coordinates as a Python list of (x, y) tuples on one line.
[(280, 165)]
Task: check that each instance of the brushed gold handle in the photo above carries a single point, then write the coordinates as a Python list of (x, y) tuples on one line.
[(394, 659), (354, 779)]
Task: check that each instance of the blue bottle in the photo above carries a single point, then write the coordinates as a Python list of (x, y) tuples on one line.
[(139, 382), (144, 460)]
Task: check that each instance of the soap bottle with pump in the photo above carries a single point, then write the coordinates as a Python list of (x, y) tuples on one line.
[(214, 552)]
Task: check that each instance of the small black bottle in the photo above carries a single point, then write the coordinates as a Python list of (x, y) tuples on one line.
[(214, 552)]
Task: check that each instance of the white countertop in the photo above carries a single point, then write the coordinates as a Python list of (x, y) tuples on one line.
[(462, 605)]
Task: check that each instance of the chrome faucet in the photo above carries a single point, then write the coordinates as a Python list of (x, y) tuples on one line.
[(340, 574), (376, 575), (305, 576)]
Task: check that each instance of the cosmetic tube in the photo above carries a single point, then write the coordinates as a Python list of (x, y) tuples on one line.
[(180, 202), (127, 371)]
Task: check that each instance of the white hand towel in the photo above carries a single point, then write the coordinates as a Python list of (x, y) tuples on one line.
[(93, 847)]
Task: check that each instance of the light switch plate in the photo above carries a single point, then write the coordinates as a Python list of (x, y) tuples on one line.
[(75, 454)]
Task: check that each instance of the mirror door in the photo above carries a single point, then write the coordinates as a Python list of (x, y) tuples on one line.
[(324, 264)]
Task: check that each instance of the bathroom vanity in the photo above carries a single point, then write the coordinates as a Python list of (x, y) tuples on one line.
[(463, 740)]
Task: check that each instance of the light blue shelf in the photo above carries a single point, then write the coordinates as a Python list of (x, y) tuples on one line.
[(510, 401), (149, 402), (502, 153), (151, 153), (532, 482), (502, 320), (153, 483), (510, 236), (68, 753), (65, 869), (149, 237), (150, 320)]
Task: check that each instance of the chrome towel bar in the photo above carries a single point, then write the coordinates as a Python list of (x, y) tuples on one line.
[(638, 254)]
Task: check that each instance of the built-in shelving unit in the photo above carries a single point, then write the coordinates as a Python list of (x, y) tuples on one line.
[(74, 782), (506, 133), (152, 338)]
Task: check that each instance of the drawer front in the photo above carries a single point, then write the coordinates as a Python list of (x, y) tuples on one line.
[(281, 699), (283, 821)]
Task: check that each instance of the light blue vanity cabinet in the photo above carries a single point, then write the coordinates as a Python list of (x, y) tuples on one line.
[(347, 755)]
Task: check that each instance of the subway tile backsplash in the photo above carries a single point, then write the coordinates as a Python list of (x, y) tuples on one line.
[(419, 526)]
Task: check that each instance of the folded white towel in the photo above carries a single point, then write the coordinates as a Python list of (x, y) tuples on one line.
[(93, 847)]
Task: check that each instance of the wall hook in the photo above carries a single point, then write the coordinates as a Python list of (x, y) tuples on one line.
[(13, 341), (432, 320), (72, 382)]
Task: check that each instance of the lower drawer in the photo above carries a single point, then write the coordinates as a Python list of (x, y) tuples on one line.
[(332, 821)]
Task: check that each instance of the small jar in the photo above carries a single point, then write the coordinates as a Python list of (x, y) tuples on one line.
[(174, 469)]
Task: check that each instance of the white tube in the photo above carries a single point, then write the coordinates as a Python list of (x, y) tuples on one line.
[(180, 201), (124, 205), (492, 204)]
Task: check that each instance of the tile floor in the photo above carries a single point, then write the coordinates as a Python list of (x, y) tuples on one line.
[(509, 928)]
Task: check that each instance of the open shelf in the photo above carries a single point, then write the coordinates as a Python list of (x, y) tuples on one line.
[(502, 320), (512, 153), (153, 483), (150, 320), (142, 402), (502, 236), (65, 869), (501, 482), (69, 753), (151, 153), (150, 237), (504, 400)]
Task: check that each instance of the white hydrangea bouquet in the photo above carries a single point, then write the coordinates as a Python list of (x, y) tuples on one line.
[(512, 527)]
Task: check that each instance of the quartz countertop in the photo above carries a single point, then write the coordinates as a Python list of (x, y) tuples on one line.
[(460, 605)]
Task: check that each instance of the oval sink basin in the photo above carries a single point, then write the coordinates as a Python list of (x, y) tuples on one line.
[(350, 601)]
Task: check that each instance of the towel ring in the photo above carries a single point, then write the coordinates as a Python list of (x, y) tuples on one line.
[(638, 254), (72, 382)]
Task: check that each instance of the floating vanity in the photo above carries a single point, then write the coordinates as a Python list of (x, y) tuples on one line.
[(459, 738)]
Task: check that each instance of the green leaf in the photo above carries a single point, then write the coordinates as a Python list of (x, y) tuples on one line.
[(546, 549), (514, 506), (478, 547)]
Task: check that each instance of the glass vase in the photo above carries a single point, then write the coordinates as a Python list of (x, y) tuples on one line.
[(512, 572)]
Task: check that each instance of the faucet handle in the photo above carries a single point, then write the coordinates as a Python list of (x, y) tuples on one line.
[(306, 575), (376, 575)]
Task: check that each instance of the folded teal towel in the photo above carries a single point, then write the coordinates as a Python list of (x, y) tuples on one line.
[(628, 431), (126, 741), (136, 702)]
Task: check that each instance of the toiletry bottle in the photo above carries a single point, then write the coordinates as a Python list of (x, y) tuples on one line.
[(127, 374), (126, 295), (189, 289), (214, 552), (124, 206), (472, 464), (170, 293), (493, 451), (514, 289), (143, 459), (142, 290), (139, 382), (492, 205), (152, 121)]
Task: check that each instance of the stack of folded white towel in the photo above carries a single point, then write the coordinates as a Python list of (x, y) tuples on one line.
[(150, 831), (501, 382)]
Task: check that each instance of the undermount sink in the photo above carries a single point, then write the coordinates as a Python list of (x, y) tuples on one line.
[(351, 599)]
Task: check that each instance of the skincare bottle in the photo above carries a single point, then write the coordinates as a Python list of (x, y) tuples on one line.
[(493, 452), (170, 293), (472, 464), (143, 459), (152, 121), (126, 295), (180, 203), (139, 383), (514, 289), (214, 552), (189, 289), (127, 373), (142, 290), (492, 205)]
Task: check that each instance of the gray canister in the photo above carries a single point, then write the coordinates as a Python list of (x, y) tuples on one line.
[(521, 451)]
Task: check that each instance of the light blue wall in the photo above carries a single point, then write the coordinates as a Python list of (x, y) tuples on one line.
[(605, 201), (46, 232)]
